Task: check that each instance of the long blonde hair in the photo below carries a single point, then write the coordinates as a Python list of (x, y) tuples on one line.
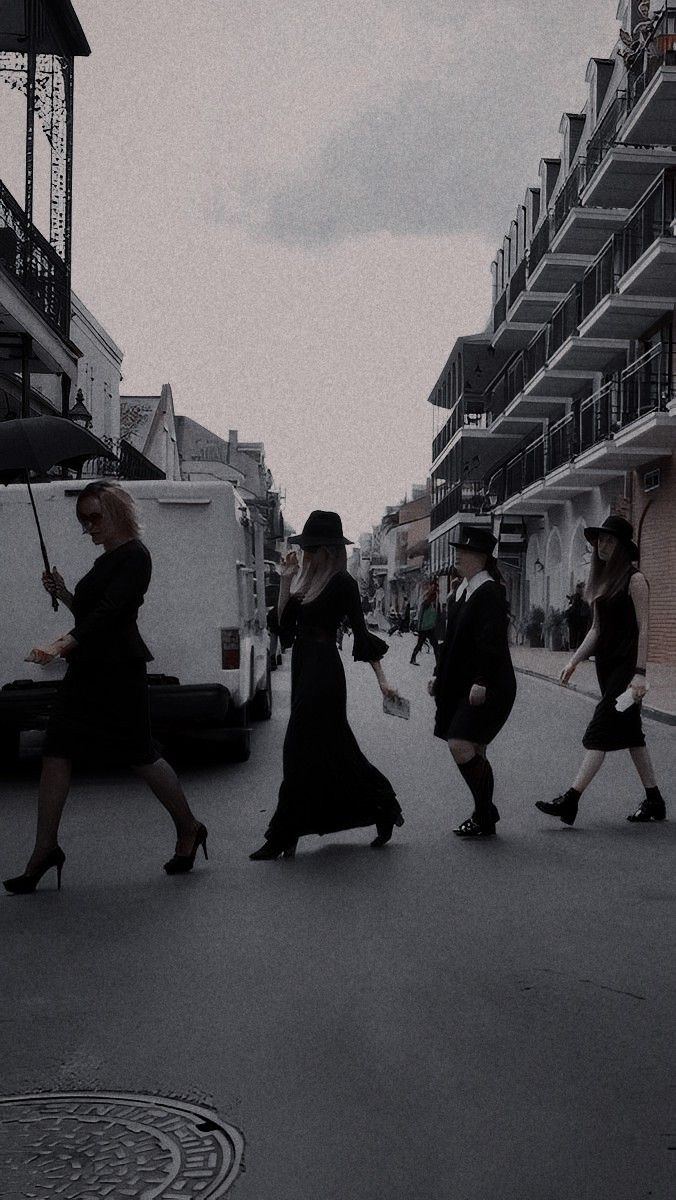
[(608, 578), (115, 503), (316, 570)]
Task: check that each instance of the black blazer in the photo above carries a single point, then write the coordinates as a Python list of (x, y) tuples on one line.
[(475, 650), (105, 606)]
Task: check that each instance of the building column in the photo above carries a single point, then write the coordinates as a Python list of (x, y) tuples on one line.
[(26, 351)]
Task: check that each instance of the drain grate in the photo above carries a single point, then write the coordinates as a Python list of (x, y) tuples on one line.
[(113, 1146)]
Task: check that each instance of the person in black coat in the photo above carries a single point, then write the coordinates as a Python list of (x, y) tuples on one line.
[(102, 705), (475, 685)]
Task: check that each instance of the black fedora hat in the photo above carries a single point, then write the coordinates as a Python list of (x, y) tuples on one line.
[(321, 529), (621, 529), (479, 539)]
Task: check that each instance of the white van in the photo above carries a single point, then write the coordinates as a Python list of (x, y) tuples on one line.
[(203, 618)]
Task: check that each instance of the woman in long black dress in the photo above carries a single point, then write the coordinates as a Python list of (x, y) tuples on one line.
[(618, 639), (475, 685), (328, 783), (102, 705)]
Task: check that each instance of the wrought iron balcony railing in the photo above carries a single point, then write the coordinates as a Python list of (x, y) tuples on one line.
[(539, 244), (500, 311), (123, 462), (646, 385), (467, 414), (33, 264), (517, 283), (463, 498), (569, 195), (659, 51), (605, 134)]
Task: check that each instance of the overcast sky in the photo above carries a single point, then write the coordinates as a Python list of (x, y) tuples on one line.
[(288, 209)]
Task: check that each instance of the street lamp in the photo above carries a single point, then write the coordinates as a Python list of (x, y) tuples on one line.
[(79, 413)]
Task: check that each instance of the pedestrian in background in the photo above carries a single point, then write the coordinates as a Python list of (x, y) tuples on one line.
[(578, 617), (618, 639), (427, 622), (102, 703), (475, 686), (328, 784)]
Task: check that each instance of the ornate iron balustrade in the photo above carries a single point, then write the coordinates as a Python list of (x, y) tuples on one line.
[(602, 277), (536, 354), (659, 51), (605, 134), (500, 311), (561, 442), (647, 385), (33, 264), (565, 319), (540, 244), (653, 217), (463, 498), (569, 195), (442, 439), (123, 462), (517, 283)]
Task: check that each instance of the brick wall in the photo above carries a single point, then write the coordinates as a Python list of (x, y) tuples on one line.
[(654, 518)]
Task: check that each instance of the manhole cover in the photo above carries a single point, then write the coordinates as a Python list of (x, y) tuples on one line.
[(91, 1145)]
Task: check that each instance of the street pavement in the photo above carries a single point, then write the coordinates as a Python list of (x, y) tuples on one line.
[(437, 1020)]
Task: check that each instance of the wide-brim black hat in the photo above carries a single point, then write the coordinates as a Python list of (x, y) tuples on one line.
[(621, 529), (478, 539), (321, 529)]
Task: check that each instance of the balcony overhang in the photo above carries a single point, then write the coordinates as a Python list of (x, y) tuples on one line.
[(535, 307), (52, 353), (56, 31), (625, 173), (557, 272), (549, 383), (652, 121), (654, 274), (588, 354), (586, 230), (518, 426), (460, 518), (514, 335), (625, 316), (488, 445)]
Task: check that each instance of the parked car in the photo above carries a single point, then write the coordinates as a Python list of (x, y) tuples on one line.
[(204, 615)]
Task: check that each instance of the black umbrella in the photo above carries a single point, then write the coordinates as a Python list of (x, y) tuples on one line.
[(39, 443)]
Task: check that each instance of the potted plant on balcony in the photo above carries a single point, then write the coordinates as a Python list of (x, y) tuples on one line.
[(534, 623)]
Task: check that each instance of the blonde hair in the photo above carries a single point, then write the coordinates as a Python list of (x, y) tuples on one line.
[(608, 578), (115, 503), (316, 570)]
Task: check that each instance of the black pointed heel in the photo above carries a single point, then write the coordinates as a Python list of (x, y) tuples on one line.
[(271, 850), (22, 885), (385, 830), (180, 864)]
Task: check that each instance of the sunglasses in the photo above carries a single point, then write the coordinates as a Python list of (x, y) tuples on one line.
[(90, 519)]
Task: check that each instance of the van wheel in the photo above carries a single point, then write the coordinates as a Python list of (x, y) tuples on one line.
[(261, 706)]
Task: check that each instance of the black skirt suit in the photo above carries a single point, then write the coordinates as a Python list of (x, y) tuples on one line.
[(102, 708), (475, 650)]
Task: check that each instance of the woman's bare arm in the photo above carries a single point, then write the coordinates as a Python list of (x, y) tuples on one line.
[(587, 646), (640, 595)]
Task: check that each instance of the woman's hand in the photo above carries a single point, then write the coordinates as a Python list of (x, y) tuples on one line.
[(390, 693), (639, 687), (54, 583), (43, 655), (289, 565), (567, 672), (477, 695)]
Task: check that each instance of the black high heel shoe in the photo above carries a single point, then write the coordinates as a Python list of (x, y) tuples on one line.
[(385, 830), (22, 885), (180, 864), (270, 850)]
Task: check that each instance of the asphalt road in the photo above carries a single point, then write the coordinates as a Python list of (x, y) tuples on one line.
[(439, 1020)]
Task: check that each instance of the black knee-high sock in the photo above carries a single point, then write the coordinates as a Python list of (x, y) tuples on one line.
[(478, 776)]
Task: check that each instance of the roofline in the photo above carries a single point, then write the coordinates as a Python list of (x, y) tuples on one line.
[(68, 18)]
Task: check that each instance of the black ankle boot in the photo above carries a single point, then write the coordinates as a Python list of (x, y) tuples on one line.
[(478, 775), (564, 807), (653, 808)]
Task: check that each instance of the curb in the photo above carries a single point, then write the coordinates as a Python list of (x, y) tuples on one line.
[(650, 714)]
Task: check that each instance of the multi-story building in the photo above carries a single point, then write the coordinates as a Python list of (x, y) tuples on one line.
[(565, 406)]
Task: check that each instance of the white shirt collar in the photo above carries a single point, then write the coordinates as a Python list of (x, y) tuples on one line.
[(468, 586)]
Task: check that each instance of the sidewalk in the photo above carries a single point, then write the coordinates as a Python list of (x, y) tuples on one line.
[(660, 702)]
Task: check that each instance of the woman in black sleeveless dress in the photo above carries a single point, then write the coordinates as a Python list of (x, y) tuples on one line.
[(328, 784), (618, 640)]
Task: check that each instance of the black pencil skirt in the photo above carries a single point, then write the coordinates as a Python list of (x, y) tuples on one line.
[(102, 712)]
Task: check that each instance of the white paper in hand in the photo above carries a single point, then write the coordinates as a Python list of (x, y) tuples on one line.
[(396, 706)]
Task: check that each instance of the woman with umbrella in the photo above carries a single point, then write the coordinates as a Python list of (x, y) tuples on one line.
[(328, 783), (618, 639), (475, 685), (102, 703)]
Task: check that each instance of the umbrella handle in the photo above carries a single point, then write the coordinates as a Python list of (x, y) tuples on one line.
[(43, 548)]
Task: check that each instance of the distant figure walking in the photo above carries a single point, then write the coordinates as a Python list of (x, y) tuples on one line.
[(475, 685), (328, 783), (427, 622), (618, 639), (578, 617), (102, 704)]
